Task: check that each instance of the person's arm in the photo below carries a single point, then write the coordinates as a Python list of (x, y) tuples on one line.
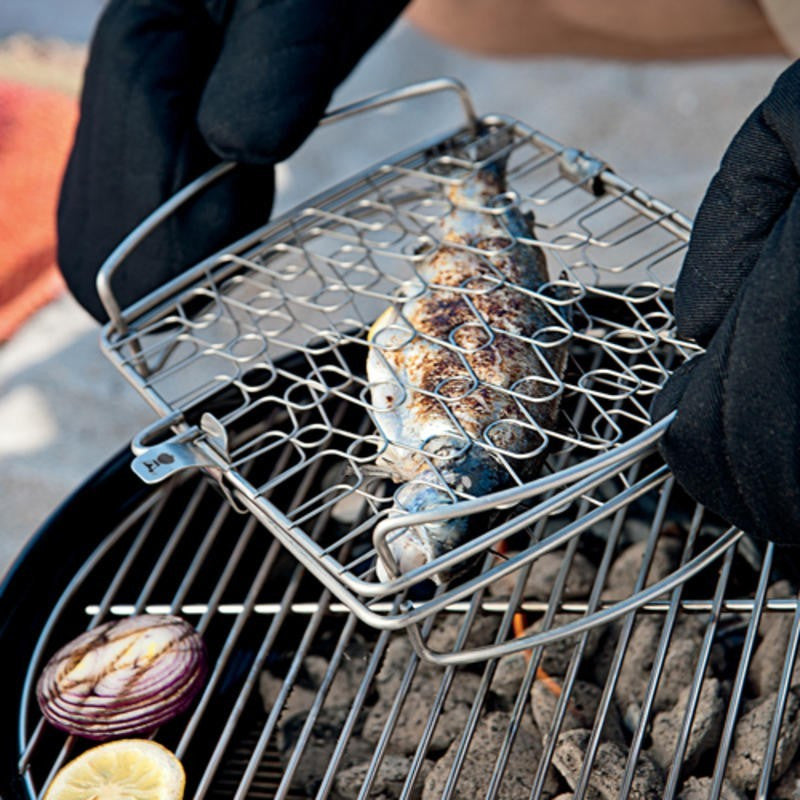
[(627, 29)]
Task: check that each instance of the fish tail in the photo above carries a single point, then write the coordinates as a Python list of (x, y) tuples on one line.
[(489, 154), (491, 151)]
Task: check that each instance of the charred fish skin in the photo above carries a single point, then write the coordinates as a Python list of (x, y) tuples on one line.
[(456, 383)]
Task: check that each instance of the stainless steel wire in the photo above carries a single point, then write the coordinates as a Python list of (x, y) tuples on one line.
[(312, 282)]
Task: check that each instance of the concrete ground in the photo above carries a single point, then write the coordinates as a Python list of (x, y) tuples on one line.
[(63, 408)]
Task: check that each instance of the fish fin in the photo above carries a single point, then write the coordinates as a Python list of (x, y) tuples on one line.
[(376, 471), (530, 219), (493, 145), (383, 321), (350, 470)]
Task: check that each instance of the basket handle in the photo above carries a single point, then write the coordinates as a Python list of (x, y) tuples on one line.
[(109, 267)]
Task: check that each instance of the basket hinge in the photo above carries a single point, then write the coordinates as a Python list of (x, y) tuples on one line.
[(203, 447)]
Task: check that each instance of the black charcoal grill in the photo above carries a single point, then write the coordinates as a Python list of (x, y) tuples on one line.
[(653, 657), (118, 547)]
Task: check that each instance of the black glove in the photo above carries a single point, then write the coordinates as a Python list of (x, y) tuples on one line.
[(173, 86), (735, 444)]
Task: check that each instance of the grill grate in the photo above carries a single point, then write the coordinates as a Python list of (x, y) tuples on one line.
[(611, 639), (312, 283), (274, 632)]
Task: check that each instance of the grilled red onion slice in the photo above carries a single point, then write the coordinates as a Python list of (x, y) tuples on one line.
[(123, 678)]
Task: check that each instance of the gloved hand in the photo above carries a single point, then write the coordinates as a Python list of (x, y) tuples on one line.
[(735, 444), (172, 87)]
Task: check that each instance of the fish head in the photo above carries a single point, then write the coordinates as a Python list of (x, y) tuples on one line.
[(418, 545)]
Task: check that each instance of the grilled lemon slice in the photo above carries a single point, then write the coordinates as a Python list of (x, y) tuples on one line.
[(127, 769)]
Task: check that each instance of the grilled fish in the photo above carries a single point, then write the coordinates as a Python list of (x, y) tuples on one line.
[(456, 385)]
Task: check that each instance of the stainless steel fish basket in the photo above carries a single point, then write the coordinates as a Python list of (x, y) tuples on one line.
[(261, 349)]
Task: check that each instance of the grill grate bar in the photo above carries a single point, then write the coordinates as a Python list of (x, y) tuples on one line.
[(594, 601), (127, 563), (699, 673), (349, 725), (522, 703), (233, 560), (389, 727), (261, 656), (467, 734), (257, 753), (741, 676), (227, 652), (231, 565), (313, 713), (534, 657), (667, 629), (550, 737), (169, 547), (297, 662), (622, 645), (190, 576), (444, 688), (780, 706)]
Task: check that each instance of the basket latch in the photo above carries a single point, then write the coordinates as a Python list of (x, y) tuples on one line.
[(203, 446)]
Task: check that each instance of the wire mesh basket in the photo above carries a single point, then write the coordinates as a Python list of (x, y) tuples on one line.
[(263, 348)]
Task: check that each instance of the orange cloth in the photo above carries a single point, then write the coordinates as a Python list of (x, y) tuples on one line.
[(36, 131)]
